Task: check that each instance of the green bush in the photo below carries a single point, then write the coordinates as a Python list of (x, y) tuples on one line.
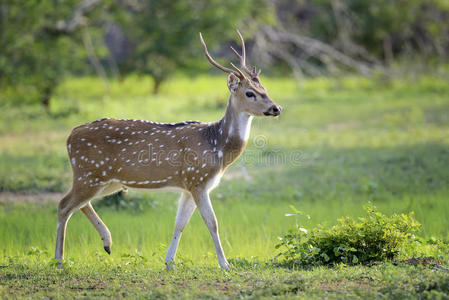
[(135, 203), (375, 237)]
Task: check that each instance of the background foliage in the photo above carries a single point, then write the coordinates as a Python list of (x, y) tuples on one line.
[(45, 41)]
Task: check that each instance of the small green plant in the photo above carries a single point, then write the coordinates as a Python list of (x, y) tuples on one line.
[(134, 258), (375, 237)]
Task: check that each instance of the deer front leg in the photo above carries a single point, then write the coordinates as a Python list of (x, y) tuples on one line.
[(104, 232), (186, 208), (207, 213)]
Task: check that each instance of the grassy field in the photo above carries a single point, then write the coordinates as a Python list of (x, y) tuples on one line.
[(340, 144)]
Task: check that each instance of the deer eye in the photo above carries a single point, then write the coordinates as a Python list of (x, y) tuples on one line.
[(250, 95)]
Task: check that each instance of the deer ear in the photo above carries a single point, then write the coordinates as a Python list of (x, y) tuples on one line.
[(233, 83)]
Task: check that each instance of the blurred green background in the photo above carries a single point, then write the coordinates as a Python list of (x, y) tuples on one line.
[(45, 42)]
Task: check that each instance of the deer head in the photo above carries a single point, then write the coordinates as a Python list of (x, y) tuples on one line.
[(248, 94)]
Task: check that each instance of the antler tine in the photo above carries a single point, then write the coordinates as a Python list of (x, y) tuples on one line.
[(243, 56), (214, 63), (243, 48), (257, 73), (241, 76)]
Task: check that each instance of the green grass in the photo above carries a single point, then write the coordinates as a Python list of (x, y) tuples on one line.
[(339, 144), (131, 276)]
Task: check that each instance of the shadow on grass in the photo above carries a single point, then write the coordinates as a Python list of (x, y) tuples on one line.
[(380, 173)]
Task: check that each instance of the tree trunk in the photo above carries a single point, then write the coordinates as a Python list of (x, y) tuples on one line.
[(46, 96), (388, 50), (156, 85)]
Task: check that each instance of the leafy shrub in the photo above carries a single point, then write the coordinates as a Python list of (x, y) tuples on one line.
[(119, 201), (375, 237)]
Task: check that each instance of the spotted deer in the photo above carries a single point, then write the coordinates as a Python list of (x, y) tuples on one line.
[(109, 155)]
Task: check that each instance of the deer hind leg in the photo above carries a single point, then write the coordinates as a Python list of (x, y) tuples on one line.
[(76, 198), (64, 214), (186, 208), (207, 213)]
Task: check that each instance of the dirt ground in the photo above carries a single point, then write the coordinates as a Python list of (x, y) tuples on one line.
[(39, 197)]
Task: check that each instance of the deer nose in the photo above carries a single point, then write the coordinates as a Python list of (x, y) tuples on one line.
[(276, 110)]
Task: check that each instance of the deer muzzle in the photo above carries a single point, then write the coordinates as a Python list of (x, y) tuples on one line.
[(274, 110)]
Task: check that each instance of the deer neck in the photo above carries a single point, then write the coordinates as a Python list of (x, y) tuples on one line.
[(236, 124), (233, 132)]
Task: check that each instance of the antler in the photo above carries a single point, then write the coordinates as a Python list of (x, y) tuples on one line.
[(217, 65), (243, 56), (253, 73)]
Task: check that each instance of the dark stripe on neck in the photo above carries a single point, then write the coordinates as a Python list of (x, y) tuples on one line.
[(179, 124)]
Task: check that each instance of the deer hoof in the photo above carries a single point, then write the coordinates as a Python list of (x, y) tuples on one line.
[(107, 249), (170, 266)]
